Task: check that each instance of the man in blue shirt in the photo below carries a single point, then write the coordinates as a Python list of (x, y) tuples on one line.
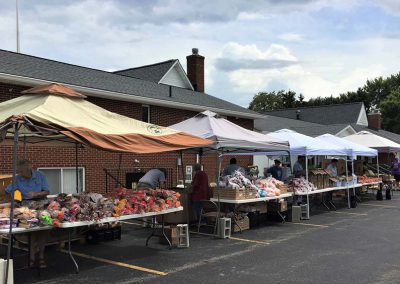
[(232, 168), (32, 184), (298, 169), (276, 170)]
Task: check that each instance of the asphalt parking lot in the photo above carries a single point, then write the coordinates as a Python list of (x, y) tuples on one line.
[(360, 245)]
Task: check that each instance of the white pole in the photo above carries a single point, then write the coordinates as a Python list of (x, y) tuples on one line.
[(377, 163), (308, 198), (347, 183), (17, 23)]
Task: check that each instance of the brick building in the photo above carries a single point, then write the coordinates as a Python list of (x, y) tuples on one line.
[(160, 93)]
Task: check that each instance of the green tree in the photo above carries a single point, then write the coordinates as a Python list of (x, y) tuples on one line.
[(266, 101), (390, 109)]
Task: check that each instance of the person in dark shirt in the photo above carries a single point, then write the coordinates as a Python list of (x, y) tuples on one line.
[(200, 189), (232, 168), (276, 170)]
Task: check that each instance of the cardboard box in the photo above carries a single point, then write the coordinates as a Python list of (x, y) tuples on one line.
[(172, 235), (243, 223), (281, 206)]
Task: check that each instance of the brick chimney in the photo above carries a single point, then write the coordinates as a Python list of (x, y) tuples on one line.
[(195, 70), (374, 120)]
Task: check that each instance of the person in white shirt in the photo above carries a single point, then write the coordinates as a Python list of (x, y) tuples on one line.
[(332, 168)]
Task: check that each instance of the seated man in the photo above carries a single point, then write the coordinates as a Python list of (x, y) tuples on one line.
[(32, 185)]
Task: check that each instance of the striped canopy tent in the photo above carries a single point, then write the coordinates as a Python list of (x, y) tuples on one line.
[(56, 115)]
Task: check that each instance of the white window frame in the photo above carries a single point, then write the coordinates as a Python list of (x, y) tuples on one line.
[(189, 171), (62, 175), (148, 113)]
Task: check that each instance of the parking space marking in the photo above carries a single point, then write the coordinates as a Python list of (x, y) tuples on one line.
[(350, 213), (117, 263), (249, 241), (308, 224), (377, 205)]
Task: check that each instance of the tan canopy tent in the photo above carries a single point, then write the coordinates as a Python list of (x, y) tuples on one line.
[(54, 114)]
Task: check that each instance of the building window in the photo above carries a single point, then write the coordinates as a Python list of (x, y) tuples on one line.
[(63, 180), (189, 174), (146, 113)]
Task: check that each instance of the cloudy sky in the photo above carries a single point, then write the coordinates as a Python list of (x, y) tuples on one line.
[(316, 47)]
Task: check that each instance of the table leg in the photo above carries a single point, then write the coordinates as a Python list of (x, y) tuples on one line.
[(153, 226), (163, 232), (70, 252), (282, 216)]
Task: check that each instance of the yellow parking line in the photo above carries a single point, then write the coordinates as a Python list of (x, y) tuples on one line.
[(117, 263), (234, 238), (250, 241), (350, 213), (308, 224), (378, 205)]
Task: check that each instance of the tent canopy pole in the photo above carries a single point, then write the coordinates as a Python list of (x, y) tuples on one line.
[(13, 184)]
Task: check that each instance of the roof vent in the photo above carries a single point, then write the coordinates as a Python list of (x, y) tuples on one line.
[(195, 51)]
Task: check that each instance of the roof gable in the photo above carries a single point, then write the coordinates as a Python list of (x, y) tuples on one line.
[(177, 77), (327, 114), (153, 72)]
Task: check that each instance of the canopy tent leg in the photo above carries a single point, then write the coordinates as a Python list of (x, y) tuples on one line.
[(14, 165), (184, 190), (76, 168), (308, 197), (219, 162), (377, 163), (352, 170), (347, 186)]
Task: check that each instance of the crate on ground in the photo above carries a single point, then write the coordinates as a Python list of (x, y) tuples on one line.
[(172, 234), (103, 234), (277, 206), (261, 207), (241, 224), (230, 193)]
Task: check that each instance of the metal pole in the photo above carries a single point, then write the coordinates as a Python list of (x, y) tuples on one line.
[(76, 168), (219, 161), (377, 163), (347, 184), (9, 246), (308, 198), (184, 190), (17, 24), (352, 170)]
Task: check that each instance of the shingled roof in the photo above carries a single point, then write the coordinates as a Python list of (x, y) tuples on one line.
[(327, 114), (383, 133), (273, 123), (24, 67), (153, 72)]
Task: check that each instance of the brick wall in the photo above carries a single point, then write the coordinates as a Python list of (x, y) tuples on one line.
[(95, 161)]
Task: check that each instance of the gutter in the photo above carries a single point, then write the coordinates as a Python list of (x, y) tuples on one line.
[(9, 78)]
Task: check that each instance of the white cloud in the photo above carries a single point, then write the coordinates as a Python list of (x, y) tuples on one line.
[(291, 37)]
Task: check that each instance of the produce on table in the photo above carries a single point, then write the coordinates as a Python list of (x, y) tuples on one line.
[(238, 180), (301, 185), (268, 187), (90, 207), (365, 179)]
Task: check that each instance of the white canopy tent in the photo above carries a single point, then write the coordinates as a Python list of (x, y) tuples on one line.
[(228, 136), (352, 149), (371, 140), (301, 144)]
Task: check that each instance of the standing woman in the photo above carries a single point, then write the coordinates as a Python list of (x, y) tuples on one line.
[(395, 167), (200, 189)]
